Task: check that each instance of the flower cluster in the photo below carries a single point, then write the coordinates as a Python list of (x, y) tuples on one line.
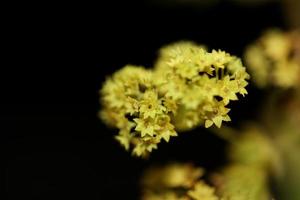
[(176, 182), (274, 59), (187, 88), (131, 103), (202, 83)]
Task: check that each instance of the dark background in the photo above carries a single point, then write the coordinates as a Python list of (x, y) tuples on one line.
[(55, 59)]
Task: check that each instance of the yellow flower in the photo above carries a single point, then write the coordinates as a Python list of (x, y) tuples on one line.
[(170, 104), (145, 126), (228, 89), (164, 128), (215, 114), (151, 105), (143, 148), (220, 58)]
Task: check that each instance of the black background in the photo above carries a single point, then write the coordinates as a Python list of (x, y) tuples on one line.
[(56, 57)]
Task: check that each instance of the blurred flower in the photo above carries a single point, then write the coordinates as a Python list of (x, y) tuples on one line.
[(274, 59), (176, 182), (172, 175)]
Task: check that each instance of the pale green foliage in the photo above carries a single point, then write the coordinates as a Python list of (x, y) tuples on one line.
[(253, 147), (284, 125), (243, 182), (187, 88), (272, 59), (253, 158)]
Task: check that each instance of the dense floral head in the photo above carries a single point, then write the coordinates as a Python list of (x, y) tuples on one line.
[(274, 60), (187, 88), (131, 103), (203, 83)]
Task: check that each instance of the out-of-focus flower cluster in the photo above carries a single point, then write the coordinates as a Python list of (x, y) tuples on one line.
[(187, 88), (176, 182), (252, 157), (274, 59)]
